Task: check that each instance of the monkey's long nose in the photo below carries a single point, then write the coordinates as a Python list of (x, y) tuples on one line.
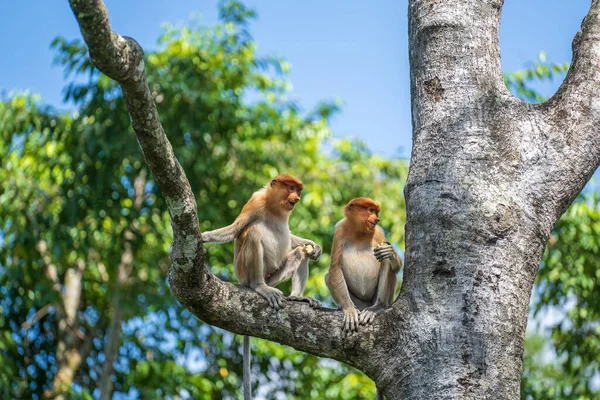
[(377, 220), (294, 199)]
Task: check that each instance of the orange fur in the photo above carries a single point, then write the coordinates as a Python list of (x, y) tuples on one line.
[(264, 247), (265, 251), (356, 279)]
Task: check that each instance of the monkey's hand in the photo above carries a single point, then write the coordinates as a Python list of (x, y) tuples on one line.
[(312, 250), (273, 296), (314, 303), (368, 314), (383, 251), (350, 319)]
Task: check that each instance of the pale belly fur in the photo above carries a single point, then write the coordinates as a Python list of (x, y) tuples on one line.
[(276, 243), (361, 271)]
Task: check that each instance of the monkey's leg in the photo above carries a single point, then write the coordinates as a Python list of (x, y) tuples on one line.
[(296, 268), (387, 283), (251, 261), (360, 303), (385, 292), (292, 261), (299, 278)]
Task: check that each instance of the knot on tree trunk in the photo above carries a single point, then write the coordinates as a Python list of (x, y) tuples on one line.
[(433, 88), (130, 64)]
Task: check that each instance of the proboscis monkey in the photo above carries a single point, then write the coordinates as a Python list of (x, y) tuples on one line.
[(362, 272), (265, 251)]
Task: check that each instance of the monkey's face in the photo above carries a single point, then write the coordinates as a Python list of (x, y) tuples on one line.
[(292, 196), (364, 213), (370, 218), (289, 190)]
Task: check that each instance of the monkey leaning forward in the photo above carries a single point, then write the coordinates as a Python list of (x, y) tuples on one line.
[(362, 272), (265, 251)]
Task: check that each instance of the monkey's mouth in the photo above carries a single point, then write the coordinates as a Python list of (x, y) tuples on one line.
[(372, 224), (291, 205)]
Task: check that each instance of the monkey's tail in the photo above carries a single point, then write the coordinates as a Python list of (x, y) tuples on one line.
[(380, 395), (247, 362)]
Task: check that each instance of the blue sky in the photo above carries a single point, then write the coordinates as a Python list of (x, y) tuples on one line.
[(352, 49)]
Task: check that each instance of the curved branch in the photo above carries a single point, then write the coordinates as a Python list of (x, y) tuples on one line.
[(570, 123), (581, 87), (122, 59), (241, 310), (235, 308)]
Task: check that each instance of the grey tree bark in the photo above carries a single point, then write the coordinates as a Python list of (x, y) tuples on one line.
[(489, 177)]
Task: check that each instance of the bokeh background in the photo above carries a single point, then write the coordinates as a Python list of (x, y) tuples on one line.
[(85, 308)]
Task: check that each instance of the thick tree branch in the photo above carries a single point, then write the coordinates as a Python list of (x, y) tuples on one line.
[(228, 306), (240, 310), (559, 140), (122, 60), (573, 114), (580, 91)]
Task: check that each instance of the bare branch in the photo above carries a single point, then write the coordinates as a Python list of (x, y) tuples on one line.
[(228, 306), (39, 314), (575, 108), (239, 309), (49, 268), (122, 59), (581, 88), (567, 128)]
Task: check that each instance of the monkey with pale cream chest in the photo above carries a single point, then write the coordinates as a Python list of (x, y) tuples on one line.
[(362, 273), (266, 252)]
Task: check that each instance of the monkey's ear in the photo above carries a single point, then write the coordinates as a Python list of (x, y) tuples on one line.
[(351, 207), (273, 182)]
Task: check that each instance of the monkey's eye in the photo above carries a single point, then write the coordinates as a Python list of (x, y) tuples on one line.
[(292, 188), (372, 210)]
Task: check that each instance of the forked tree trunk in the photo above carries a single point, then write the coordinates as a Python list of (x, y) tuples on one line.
[(489, 178)]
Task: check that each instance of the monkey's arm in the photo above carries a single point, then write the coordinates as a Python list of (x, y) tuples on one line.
[(229, 233), (298, 241), (222, 235)]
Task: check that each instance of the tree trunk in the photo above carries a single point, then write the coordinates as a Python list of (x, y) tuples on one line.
[(489, 178), (124, 270), (113, 339), (68, 357)]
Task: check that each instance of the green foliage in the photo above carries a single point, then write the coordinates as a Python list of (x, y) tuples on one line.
[(520, 82), (68, 200), (542, 378), (569, 279), (562, 361)]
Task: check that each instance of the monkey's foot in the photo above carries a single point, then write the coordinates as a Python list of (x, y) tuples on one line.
[(351, 320), (273, 296), (368, 314), (311, 302)]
